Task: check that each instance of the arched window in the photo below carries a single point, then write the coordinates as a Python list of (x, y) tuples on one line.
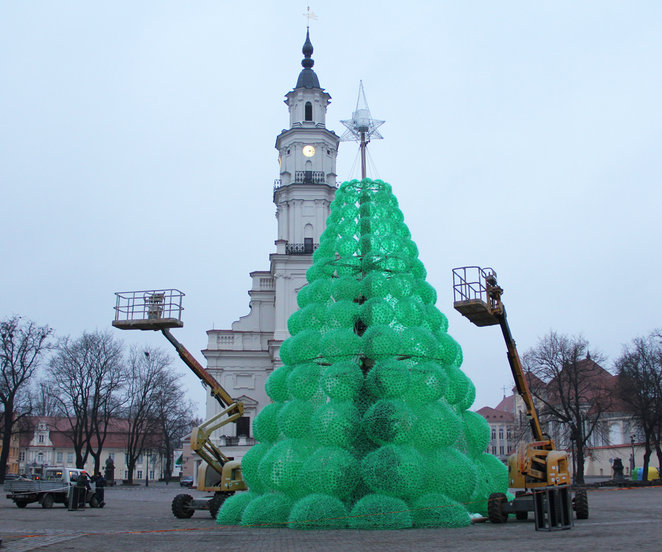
[(308, 112)]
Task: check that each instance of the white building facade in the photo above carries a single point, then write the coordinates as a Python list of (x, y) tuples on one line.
[(243, 357)]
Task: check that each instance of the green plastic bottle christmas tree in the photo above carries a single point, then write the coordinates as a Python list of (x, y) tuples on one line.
[(369, 426)]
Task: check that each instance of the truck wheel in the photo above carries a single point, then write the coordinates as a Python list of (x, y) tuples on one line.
[(94, 503), (47, 501), (216, 502), (581, 504), (21, 503), (181, 506), (495, 511)]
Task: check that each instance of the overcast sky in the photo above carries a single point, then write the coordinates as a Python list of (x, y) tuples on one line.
[(137, 152)]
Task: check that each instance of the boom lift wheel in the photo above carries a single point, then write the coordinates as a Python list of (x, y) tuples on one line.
[(581, 504), (181, 506), (216, 502), (495, 511)]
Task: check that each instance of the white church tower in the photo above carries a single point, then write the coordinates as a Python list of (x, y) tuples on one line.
[(242, 358)]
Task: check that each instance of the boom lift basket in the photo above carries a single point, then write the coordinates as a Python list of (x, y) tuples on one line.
[(153, 309), (470, 297)]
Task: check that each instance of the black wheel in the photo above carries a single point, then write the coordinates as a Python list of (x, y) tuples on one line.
[(47, 501), (521, 516), (181, 506), (216, 502), (21, 503), (94, 502), (581, 504), (495, 511)]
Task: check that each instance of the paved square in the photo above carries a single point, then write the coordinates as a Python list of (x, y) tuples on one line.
[(139, 519)]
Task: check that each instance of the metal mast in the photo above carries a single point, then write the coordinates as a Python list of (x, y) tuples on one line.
[(362, 127)]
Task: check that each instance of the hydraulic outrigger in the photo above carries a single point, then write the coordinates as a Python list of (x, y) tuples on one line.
[(537, 468), (160, 310)]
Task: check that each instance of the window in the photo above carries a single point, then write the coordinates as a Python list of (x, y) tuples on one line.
[(501, 433), (41, 438), (139, 475), (59, 458), (509, 434), (140, 460), (501, 451), (493, 450), (126, 474), (309, 111), (21, 456), (151, 474), (493, 434), (308, 245), (243, 426), (40, 458), (70, 457)]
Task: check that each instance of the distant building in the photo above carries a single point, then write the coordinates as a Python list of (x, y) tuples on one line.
[(617, 434), (14, 451), (502, 431), (47, 443)]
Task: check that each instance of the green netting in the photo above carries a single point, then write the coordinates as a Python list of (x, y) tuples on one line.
[(394, 470), (437, 510), (375, 511), (370, 426), (389, 378), (318, 511), (303, 380), (233, 508), (342, 380), (279, 468), (265, 426), (294, 418), (267, 510), (335, 424), (333, 471), (276, 384), (389, 421)]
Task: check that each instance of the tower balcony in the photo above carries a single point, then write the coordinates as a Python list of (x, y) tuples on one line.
[(306, 248), (309, 177)]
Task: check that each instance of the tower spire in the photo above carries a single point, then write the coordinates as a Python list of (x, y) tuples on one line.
[(362, 127)]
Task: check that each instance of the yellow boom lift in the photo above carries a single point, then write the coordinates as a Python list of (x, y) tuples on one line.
[(160, 310), (537, 470)]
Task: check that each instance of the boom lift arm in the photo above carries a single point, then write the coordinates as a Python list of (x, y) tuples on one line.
[(232, 410)]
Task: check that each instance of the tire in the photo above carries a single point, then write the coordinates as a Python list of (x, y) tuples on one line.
[(216, 502), (21, 503), (94, 502), (181, 506), (495, 511), (47, 501), (521, 516), (581, 504)]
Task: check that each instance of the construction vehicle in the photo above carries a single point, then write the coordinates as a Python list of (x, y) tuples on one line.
[(220, 475), (537, 470)]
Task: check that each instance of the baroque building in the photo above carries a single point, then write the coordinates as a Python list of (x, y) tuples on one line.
[(242, 358)]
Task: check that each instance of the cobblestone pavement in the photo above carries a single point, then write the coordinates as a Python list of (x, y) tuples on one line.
[(139, 519)]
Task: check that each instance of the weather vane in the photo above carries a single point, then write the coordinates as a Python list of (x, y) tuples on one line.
[(362, 127), (309, 15)]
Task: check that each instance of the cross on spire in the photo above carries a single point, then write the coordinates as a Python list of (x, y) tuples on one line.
[(309, 15)]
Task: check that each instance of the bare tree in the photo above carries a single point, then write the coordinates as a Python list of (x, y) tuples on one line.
[(44, 403), (22, 345), (639, 370), (88, 374), (174, 416), (147, 370), (575, 392)]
